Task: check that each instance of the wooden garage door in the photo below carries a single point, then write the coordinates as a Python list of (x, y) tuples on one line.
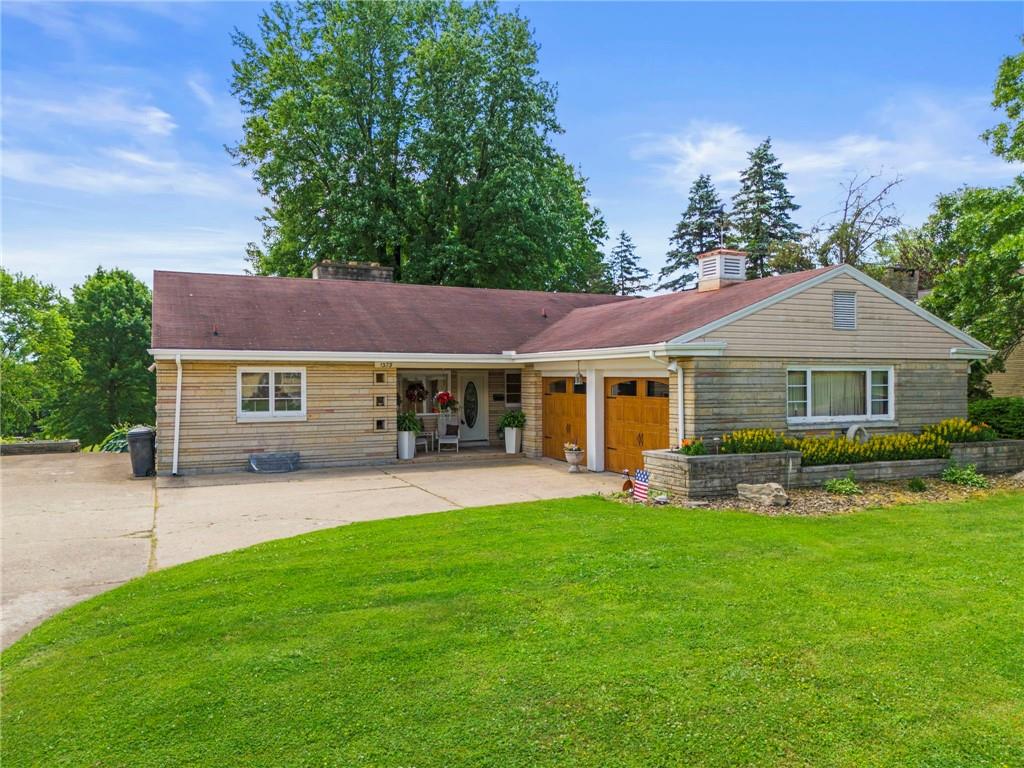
[(635, 420), (565, 415)]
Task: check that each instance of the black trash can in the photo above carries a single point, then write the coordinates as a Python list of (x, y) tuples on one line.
[(141, 444)]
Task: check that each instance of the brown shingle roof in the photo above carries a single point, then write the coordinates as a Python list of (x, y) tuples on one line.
[(304, 315), (658, 318), (235, 312)]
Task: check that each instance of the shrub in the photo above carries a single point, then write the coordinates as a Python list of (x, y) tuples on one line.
[(1004, 414), (832, 449), (514, 418), (751, 441), (843, 486), (960, 431), (408, 421), (117, 441), (917, 485), (693, 447), (966, 475)]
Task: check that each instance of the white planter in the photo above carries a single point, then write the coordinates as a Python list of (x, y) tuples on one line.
[(513, 438), (574, 459), (406, 445)]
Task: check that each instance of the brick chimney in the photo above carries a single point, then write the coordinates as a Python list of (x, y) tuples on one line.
[(369, 271), (904, 280), (720, 268)]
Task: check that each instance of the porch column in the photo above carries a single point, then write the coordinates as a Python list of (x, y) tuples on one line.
[(680, 406), (532, 394), (595, 420)]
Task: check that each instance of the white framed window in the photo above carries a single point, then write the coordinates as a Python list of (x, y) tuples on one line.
[(266, 394), (513, 388), (844, 310), (830, 394)]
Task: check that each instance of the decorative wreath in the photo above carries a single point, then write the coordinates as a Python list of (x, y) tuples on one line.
[(416, 392)]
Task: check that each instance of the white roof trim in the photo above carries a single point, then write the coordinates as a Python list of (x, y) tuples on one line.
[(712, 348), (824, 277), (969, 353)]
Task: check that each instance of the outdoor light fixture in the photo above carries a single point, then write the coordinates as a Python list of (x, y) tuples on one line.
[(578, 379)]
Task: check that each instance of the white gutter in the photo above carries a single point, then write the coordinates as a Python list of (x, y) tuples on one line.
[(970, 353), (706, 348), (177, 418)]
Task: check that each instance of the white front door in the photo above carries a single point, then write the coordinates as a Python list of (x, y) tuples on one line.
[(472, 397)]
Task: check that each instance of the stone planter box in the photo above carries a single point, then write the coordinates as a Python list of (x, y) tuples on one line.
[(30, 447), (696, 477)]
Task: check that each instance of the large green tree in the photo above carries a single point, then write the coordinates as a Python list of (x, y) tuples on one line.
[(762, 211), (37, 366), (628, 276), (110, 331), (414, 134), (1006, 138), (702, 227)]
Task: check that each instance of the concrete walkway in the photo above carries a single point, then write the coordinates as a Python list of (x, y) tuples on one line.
[(75, 525)]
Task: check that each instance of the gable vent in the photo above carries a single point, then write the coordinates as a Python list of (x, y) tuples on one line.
[(844, 310)]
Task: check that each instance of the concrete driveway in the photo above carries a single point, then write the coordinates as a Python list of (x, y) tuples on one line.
[(75, 525)]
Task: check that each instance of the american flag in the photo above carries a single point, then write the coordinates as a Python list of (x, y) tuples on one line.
[(641, 482)]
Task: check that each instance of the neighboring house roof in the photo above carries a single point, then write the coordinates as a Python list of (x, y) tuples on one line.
[(213, 314), (237, 312), (658, 318)]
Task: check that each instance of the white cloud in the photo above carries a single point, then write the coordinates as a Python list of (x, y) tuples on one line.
[(71, 23), (104, 108), (64, 258), (116, 171), (932, 144), (222, 110)]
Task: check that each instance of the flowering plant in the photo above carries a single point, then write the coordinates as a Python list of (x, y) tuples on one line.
[(692, 446), (571, 447), (445, 401)]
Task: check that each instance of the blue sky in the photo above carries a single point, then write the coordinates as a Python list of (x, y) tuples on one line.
[(115, 116)]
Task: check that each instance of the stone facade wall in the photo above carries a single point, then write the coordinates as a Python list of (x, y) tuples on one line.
[(697, 477), (746, 393)]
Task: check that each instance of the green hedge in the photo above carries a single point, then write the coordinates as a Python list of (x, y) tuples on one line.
[(1004, 414)]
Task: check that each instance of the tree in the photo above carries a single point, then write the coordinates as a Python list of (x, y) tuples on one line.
[(1007, 137), (628, 277), (866, 217), (110, 330), (36, 344), (978, 235), (761, 211), (702, 227), (414, 134)]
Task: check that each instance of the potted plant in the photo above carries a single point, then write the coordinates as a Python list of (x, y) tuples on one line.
[(446, 406), (511, 425), (573, 456), (408, 428)]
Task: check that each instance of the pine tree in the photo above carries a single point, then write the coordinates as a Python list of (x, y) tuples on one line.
[(627, 276), (761, 211), (703, 227)]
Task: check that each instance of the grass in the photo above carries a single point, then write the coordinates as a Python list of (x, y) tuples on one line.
[(579, 632)]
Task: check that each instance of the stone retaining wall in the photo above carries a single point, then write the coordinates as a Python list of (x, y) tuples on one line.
[(39, 446), (714, 476)]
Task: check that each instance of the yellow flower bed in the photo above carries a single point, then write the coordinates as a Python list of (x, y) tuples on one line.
[(837, 449)]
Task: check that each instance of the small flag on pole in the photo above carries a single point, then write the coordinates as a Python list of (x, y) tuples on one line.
[(641, 481)]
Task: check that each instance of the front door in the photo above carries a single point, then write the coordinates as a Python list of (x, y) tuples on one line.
[(472, 398), (636, 420)]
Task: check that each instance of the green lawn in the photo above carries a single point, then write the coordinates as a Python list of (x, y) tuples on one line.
[(579, 632)]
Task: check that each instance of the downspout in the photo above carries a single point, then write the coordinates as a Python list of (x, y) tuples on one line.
[(673, 367), (177, 418)]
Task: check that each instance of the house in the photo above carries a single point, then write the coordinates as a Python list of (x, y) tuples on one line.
[(1009, 382), (321, 366)]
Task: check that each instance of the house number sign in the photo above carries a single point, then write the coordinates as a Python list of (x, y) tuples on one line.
[(379, 364)]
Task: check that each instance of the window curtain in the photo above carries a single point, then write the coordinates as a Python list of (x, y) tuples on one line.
[(838, 393)]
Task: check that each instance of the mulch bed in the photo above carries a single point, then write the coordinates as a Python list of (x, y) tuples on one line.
[(813, 502)]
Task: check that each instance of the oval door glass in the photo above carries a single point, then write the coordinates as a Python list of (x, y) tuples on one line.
[(470, 404)]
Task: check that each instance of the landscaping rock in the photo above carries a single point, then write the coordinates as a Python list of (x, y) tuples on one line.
[(1019, 476), (766, 494)]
